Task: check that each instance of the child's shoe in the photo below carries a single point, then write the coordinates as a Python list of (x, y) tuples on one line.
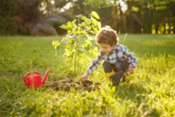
[(107, 75), (116, 78), (126, 77), (119, 77)]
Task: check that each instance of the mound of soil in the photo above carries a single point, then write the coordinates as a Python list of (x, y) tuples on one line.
[(66, 85)]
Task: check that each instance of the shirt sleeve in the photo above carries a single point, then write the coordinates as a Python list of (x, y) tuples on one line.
[(130, 56), (95, 63)]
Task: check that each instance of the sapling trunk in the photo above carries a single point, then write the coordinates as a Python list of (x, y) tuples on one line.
[(78, 29), (75, 57)]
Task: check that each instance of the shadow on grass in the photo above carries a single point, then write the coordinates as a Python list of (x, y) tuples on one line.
[(136, 94)]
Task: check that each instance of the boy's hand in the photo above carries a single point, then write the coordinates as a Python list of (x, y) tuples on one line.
[(84, 77), (130, 69)]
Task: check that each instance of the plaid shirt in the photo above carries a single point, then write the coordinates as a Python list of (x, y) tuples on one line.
[(120, 52)]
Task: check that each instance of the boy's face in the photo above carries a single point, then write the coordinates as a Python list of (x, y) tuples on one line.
[(105, 48)]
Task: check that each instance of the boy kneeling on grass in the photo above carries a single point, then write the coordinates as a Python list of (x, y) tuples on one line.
[(118, 61)]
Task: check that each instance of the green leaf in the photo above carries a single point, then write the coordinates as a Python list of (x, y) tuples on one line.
[(63, 26), (94, 21), (63, 40), (95, 15), (55, 44), (99, 25), (87, 59), (69, 26), (71, 41), (95, 29), (88, 22), (92, 32), (58, 48), (81, 17), (84, 33)]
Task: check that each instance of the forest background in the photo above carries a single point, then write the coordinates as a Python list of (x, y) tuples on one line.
[(44, 17)]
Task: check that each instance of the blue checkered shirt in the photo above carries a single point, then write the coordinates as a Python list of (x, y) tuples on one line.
[(120, 52)]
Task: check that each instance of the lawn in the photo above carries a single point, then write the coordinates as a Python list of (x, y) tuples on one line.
[(150, 91)]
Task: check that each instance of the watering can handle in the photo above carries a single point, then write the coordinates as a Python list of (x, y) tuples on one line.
[(25, 76)]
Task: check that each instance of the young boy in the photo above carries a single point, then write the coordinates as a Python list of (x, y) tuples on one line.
[(116, 56)]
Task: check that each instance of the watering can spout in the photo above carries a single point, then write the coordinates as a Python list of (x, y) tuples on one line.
[(44, 79)]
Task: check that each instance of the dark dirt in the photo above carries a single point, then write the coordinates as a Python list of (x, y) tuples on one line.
[(66, 85)]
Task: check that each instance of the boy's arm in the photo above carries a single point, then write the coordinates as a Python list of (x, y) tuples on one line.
[(84, 77), (130, 57), (132, 62), (130, 70), (95, 63)]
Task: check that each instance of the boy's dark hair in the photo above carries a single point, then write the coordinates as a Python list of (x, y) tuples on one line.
[(107, 36)]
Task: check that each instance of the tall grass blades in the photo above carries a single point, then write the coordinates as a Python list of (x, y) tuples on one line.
[(150, 91)]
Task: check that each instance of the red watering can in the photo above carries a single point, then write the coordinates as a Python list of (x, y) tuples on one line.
[(35, 81)]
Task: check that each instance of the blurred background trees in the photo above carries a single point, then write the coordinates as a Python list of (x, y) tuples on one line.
[(7, 22), (43, 17)]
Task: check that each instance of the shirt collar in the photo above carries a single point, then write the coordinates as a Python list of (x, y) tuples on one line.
[(115, 48)]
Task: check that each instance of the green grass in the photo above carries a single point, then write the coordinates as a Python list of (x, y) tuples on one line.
[(150, 91)]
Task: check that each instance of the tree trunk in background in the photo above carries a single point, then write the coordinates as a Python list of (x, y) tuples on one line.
[(130, 24), (8, 22), (164, 27), (147, 20), (174, 28), (157, 28), (173, 18), (123, 20), (173, 24), (169, 21), (134, 23)]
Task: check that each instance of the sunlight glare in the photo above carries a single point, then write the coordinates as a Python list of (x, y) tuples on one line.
[(52, 2), (123, 5), (66, 7)]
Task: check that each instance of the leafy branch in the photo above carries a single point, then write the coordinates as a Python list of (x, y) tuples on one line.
[(79, 36)]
